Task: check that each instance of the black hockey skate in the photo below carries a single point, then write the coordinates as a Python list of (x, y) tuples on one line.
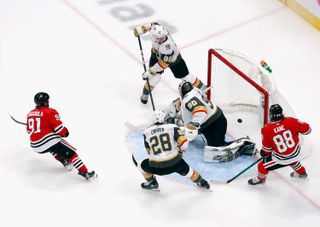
[(256, 180), (150, 185), (203, 184), (88, 175), (297, 175)]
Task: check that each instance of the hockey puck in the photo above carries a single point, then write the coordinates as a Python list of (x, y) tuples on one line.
[(239, 120)]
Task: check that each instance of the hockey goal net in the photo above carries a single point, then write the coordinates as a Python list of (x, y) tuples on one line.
[(240, 84)]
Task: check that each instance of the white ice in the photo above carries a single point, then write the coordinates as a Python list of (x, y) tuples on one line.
[(88, 60)]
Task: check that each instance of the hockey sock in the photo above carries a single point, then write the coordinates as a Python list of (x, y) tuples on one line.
[(262, 172), (77, 163), (298, 168), (148, 176), (146, 90), (194, 175), (198, 84)]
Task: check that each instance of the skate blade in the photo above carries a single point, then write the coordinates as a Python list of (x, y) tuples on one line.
[(151, 190), (93, 178)]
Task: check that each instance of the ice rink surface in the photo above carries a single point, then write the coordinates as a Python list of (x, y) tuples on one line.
[(83, 53)]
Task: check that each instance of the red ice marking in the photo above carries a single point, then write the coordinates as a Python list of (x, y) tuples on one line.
[(134, 58), (101, 31), (304, 196), (234, 27), (106, 35)]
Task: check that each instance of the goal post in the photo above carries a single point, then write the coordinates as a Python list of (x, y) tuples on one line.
[(244, 90), (237, 82)]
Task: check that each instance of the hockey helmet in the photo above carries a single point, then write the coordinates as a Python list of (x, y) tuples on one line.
[(158, 33), (275, 112), (184, 88), (41, 99), (159, 116)]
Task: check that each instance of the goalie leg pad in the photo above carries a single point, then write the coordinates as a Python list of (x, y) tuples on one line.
[(248, 148), (244, 145), (219, 154)]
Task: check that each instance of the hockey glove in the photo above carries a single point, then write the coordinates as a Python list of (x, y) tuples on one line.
[(146, 75), (191, 130), (137, 31), (264, 153), (140, 30), (193, 125)]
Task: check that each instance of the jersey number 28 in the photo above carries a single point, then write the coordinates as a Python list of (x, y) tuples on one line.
[(160, 143)]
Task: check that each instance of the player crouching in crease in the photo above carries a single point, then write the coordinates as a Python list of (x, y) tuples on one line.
[(165, 144), (164, 54), (46, 131), (200, 115), (281, 145)]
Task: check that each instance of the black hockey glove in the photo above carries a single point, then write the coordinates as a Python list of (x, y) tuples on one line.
[(264, 154)]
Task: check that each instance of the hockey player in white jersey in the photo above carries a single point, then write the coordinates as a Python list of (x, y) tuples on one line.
[(165, 144), (200, 115), (164, 54)]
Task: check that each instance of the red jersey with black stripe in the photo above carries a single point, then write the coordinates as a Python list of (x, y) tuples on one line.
[(281, 138), (45, 128)]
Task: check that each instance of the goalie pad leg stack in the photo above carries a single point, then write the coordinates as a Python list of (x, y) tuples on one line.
[(228, 153)]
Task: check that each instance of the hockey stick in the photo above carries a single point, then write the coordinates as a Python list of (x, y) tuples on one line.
[(18, 122), (207, 89), (240, 173), (145, 69), (133, 128)]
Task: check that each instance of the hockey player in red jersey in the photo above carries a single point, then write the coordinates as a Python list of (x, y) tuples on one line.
[(164, 54), (46, 132), (281, 145)]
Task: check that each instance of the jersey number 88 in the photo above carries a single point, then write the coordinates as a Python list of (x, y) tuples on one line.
[(284, 141)]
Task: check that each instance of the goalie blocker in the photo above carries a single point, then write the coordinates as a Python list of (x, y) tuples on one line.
[(242, 146)]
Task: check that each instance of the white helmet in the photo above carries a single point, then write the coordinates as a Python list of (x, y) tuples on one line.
[(159, 116), (158, 33)]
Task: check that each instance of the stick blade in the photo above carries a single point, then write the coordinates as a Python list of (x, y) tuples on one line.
[(218, 182), (132, 127)]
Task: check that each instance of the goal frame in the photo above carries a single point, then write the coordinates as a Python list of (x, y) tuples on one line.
[(210, 80)]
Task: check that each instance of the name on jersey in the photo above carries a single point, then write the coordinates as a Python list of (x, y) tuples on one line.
[(279, 129), (153, 131), (37, 114)]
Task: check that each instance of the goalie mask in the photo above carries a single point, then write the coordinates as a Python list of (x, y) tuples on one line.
[(158, 33), (275, 113), (41, 99), (184, 88), (159, 116)]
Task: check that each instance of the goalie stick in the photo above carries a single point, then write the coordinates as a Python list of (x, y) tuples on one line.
[(236, 176), (18, 122)]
